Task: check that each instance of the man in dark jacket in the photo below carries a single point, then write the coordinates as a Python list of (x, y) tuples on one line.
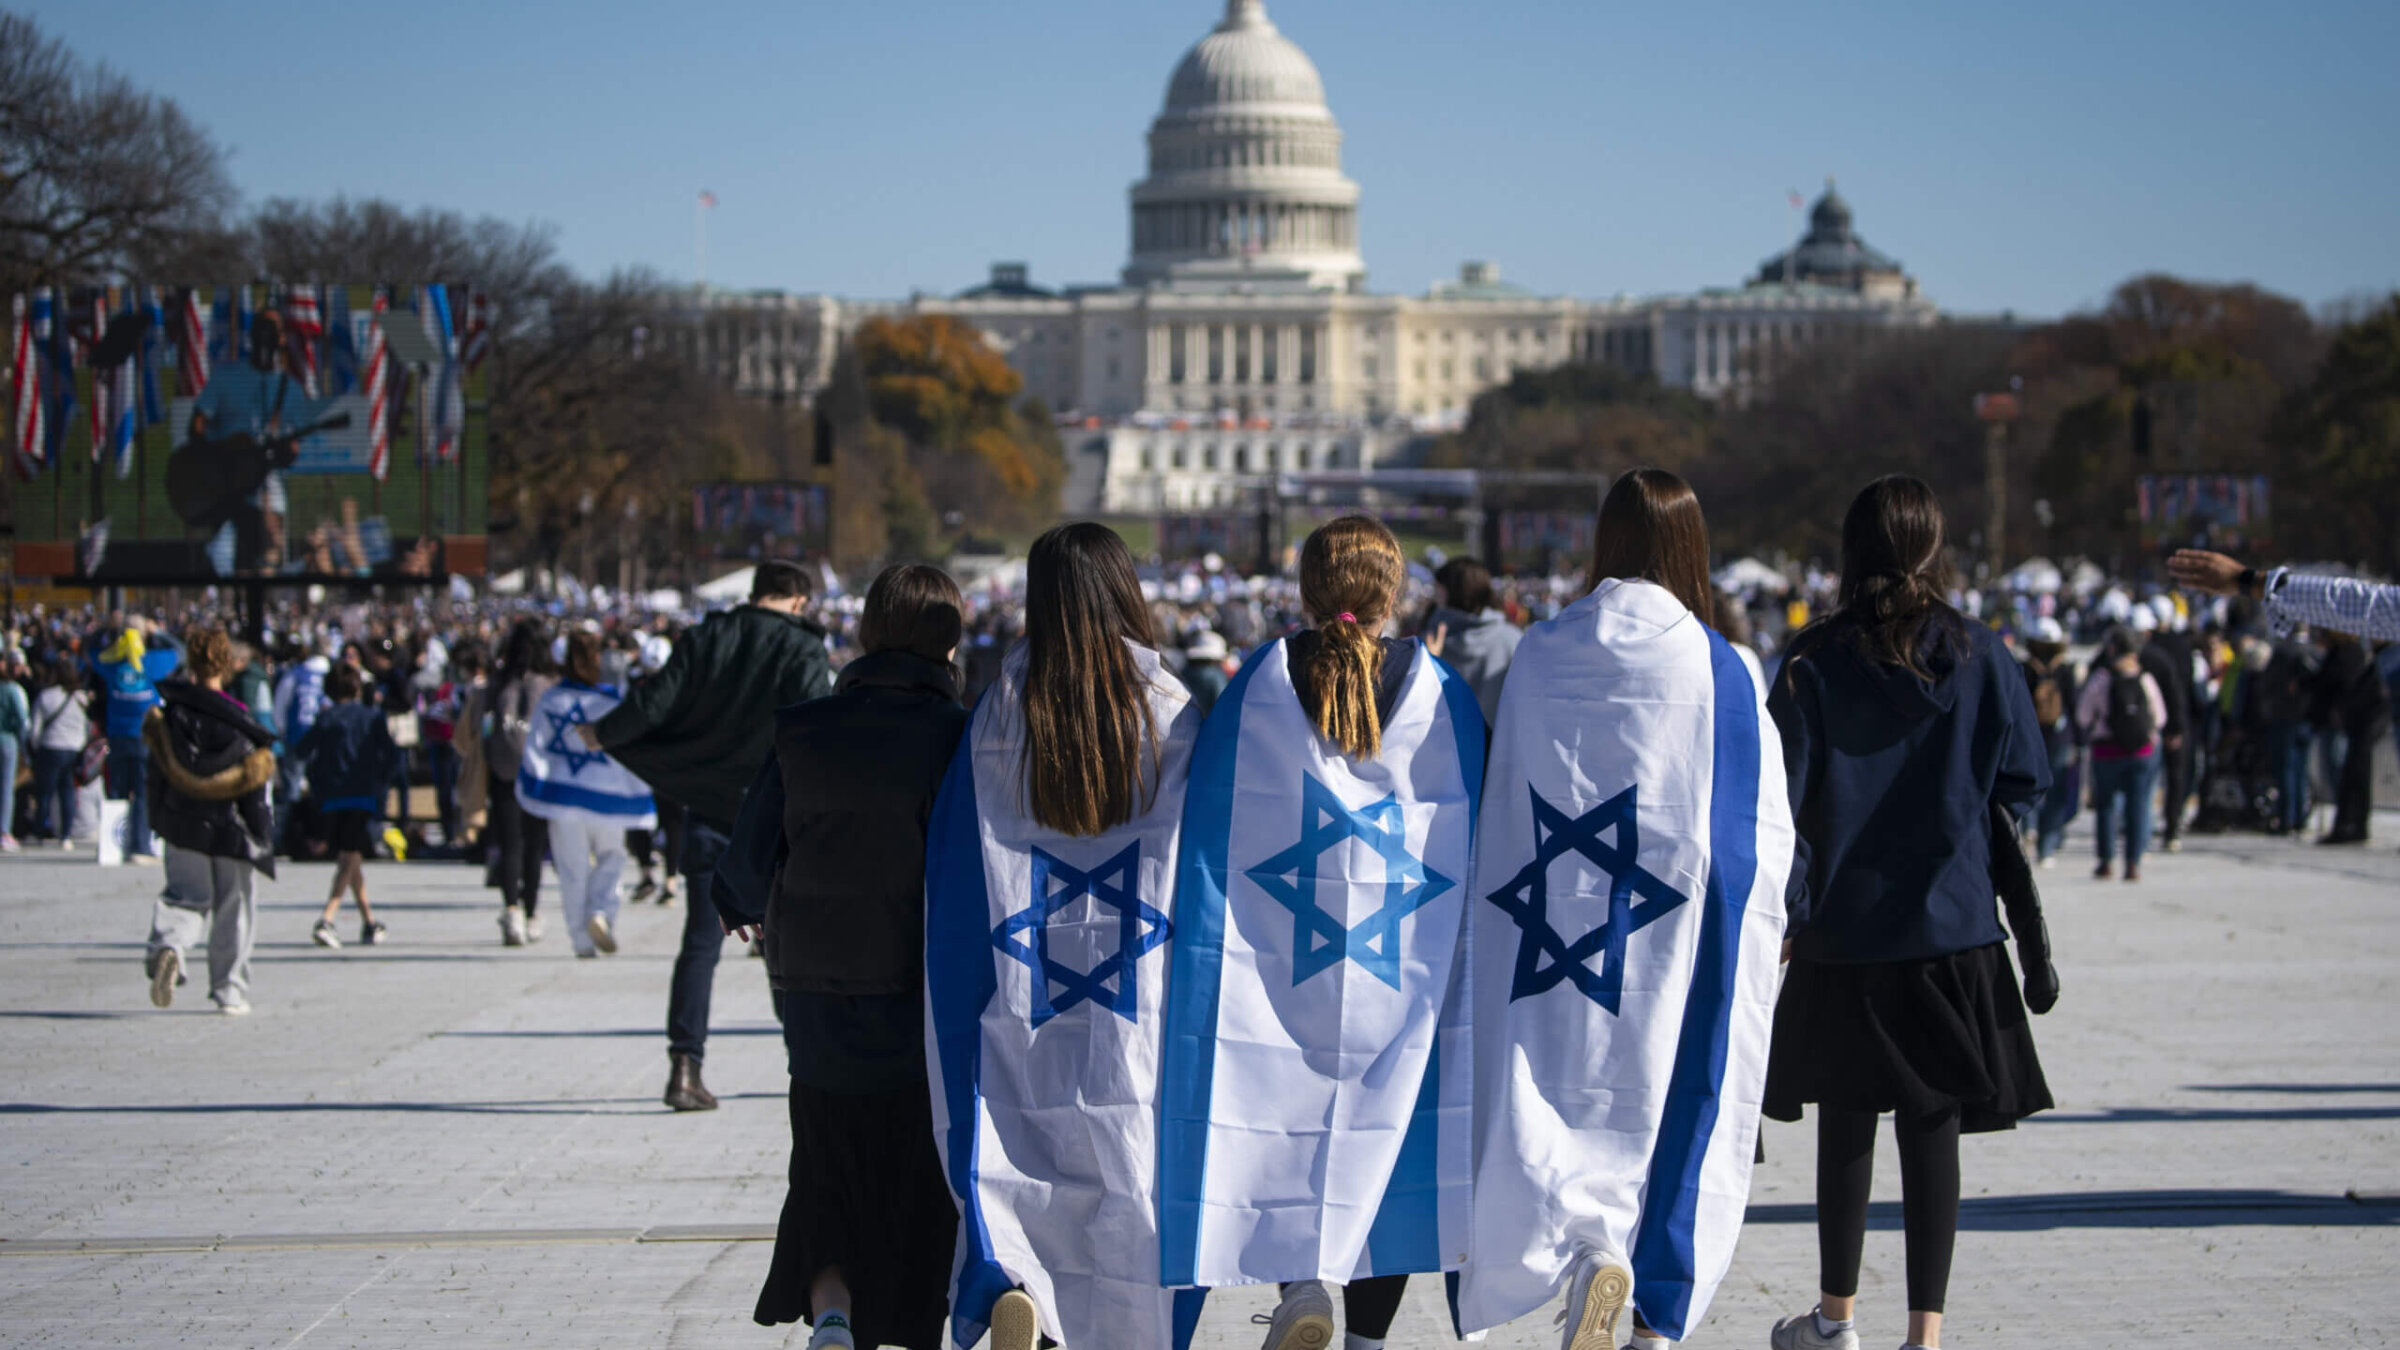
[(697, 732), (208, 766), (2167, 657)]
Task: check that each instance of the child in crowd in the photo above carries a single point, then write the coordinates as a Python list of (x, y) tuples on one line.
[(350, 756)]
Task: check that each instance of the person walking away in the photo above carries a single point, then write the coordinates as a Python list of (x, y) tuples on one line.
[(474, 778), (1057, 831), (697, 733), (2285, 700), (299, 694), (1902, 723), (349, 753), (2050, 677), (523, 674), (440, 729), (2167, 658), (868, 1230), (1204, 675), (129, 673), (2123, 714), (1338, 766), (588, 799), (16, 719), (1636, 823), (2354, 705), (208, 769), (1464, 629), (60, 729)]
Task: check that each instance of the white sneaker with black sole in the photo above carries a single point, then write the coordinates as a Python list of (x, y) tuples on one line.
[(1302, 1321), (1596, 1294), (1800, 1332), (323, 934)]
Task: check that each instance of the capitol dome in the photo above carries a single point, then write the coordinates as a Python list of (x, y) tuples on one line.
[(1246, 183)]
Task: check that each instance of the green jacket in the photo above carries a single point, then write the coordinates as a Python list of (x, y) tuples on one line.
[(698, 731)]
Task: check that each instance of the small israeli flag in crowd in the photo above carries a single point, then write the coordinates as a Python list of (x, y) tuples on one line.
[(1045, 966), (1625, 919), (1315, 1122)]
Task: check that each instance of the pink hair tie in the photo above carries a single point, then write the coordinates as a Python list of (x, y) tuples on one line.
[(1346, 617)]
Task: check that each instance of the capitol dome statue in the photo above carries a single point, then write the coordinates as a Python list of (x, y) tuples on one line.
[(1246, 185)]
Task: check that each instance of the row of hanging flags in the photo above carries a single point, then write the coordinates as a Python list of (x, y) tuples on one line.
[(130, 338)]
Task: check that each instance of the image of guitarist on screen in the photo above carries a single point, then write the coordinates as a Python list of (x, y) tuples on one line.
[(240, 435)]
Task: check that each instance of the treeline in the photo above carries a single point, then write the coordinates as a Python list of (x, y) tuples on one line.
[(600, 426), (2168, 376)]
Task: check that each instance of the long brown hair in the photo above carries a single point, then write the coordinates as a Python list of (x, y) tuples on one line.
[(1087, 711), (1350, 570), (1651, 530), (1896, 576)]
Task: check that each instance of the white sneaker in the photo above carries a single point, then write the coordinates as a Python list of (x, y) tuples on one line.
[(1642, 1342), (1596, 1293), (1303, 1321), (597, 926), (1799, 1332), (833, 1333), (1015, 1323), (533, 928), (323, 934), (233, 1005), (512, 927), (164, 976)]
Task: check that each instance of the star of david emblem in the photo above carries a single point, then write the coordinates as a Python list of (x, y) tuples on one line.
[(1526, 899), (1319, 941), (1057, 884), (565, 744)]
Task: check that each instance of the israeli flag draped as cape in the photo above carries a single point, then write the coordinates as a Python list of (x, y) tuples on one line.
[(1626, 926), (1045, 961), (562, 776), (1316, 1113)]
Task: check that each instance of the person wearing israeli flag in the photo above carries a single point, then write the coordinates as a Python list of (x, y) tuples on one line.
[(1904, 725), (1049, 907), (588, 799), (1625, 922), (1315, 1116)]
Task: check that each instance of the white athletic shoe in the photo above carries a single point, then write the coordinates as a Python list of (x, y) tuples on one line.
[(233, 1004), (533, 928), (1303, 1321), (597, 926), (164, 976), (1015, 1323), (323, 934), (1596, 1293), (1799, 1332), (512, 927)]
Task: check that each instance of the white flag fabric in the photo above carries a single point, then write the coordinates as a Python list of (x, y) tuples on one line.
[(1045, 967), (561, 776), (1316, 1114), (1626, 928)]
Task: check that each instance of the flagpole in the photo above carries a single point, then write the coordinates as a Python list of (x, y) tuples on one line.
[(700, 240)]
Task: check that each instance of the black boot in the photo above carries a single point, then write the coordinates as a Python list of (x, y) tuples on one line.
[(685, 1091)]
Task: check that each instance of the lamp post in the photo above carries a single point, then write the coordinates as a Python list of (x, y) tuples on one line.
[(1997, 412)]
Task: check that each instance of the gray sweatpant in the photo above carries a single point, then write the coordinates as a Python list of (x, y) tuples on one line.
[(218, 894)]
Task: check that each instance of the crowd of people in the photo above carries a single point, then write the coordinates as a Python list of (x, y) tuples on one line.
[(1058, 989)]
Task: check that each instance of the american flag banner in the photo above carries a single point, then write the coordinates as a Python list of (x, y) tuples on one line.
[(25, 383), (449, 413), (100, 380), (379, 386), (304, 329), (154, 405), (478, 343), (191, 344)]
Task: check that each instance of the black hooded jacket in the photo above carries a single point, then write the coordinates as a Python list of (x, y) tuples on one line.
[(210, 764), (1892, 776)]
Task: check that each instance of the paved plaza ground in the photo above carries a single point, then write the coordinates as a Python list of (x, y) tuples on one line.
[(444, 1142)]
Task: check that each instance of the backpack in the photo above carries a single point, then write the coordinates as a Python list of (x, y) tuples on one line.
[(2049, 704), (2130, 724)]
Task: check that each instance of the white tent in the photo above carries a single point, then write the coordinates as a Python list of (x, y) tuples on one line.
[(2037, 575), (730, 589), (1746, 574)]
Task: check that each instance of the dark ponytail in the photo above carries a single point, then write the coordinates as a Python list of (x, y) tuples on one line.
[(1350, 572), (1894, 599)]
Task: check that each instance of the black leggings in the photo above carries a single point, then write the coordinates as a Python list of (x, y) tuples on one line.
[(1368, 1306), (523, 838), (1928, 1199)]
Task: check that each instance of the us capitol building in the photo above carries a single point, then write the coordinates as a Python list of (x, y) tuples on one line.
[(1242, 339)]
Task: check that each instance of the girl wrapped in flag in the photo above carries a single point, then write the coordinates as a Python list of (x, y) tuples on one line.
[(1314, 1126), (1049, 909), (1626, 918)]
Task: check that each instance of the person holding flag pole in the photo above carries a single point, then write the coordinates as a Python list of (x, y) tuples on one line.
[(1625, 925), (1314, 1124), (1049, 907)]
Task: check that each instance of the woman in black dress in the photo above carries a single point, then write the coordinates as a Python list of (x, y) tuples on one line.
[(869, 1229), (1902, 723)]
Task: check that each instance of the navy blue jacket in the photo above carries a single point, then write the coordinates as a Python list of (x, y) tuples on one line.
[(1891, 779), (350, 756)]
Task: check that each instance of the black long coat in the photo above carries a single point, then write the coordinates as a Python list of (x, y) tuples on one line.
[(210, 764)]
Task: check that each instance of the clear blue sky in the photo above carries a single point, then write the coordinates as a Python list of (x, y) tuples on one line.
[(2025, 156)]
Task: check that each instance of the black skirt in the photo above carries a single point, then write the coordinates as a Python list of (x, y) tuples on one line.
[(1910, 1036), (867, 1195)]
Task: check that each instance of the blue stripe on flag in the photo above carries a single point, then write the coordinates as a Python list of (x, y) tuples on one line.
[(1188, 1068), (1466, 724), (582, 798), (1188, 1303), (1406, 1237), (1664, 1259), (959, 984)]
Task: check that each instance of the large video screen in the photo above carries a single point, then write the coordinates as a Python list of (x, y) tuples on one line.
[(2230, 513), (755, 521), (182, 435)]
